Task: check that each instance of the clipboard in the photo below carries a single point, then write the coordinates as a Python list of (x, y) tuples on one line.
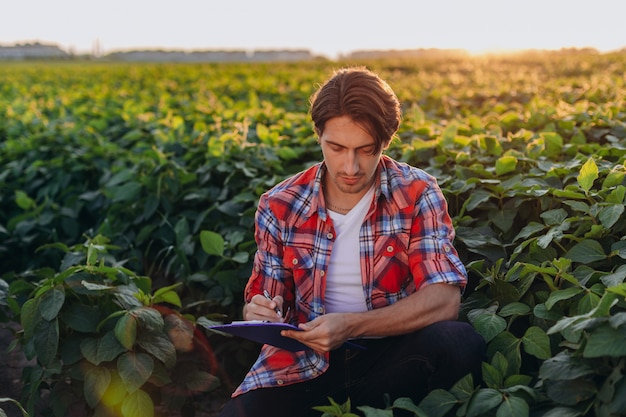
[(268, 333)]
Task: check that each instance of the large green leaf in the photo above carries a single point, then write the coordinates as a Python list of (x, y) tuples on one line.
[(135, 369), (101, 349), (97, 380), (52, 302), (160, 346), (606, 341), (484, 401), (82, 318), (586, 252), (138, 404), (571, 391), (46, 340), (565, 366), (609, 215), (212, 243), (513, 407), (537, 343), (505, 164), (437, 403), (588, 174), (126, 330), (488, 324)]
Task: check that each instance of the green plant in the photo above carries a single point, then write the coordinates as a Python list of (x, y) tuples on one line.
[(102, 341)]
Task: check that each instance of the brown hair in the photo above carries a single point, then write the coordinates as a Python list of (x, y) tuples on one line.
[(364, 97)]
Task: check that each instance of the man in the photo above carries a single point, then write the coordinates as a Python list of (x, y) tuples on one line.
[(356, 248)]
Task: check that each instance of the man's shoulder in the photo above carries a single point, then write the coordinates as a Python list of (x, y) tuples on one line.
[(401, 173), (299, 181), (292, 197)]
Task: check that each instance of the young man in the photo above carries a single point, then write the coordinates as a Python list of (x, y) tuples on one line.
[(359, 248)]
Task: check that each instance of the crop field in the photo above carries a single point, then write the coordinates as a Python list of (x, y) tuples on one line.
[(127, 198)]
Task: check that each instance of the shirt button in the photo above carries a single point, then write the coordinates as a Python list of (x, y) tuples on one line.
[(280, 382), (320, 309), (446, 248), (322, 273), (294, 261), (389, 248), (329, 235)]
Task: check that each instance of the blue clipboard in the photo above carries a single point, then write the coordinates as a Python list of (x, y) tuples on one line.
[(268, 333)]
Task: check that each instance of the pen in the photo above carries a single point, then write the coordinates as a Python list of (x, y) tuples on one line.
[(269, 297)]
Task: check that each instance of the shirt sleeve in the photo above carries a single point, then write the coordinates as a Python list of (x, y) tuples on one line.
[(268, 271), (433, 258)]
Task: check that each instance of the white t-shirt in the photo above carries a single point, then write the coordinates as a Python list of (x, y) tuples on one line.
[(344, 287)]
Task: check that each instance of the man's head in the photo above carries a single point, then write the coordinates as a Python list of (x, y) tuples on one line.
[(362, 96)]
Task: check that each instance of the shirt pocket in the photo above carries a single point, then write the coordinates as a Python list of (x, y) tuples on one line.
[(300, 262), (391, 263)]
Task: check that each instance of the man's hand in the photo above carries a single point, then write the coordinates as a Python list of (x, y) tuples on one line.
[(323, 334), (260, 308)]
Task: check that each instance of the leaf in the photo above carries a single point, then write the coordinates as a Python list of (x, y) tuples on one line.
[(565, 366), (97, 380), (170, 297), (52, 302), (605, 341), (46, 340), (126, 330), (30, 316), (560, 295), (492, 376), (101, 349), (537, 343), (587, 175), (126, 192), (489, 325), (514, 309), (212, 243), (529, 230), (484, 401), (513, 407), (149, 319), (554, 217), (81, 317), (135, 369), (138, 404), (509, 345), (159, 346), (115, 391), (437, 403), (608, 216), (505, 164), (571, 392), (476, 199), (24, 201), (586, 252)]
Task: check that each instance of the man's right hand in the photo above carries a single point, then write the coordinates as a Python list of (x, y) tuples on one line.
[(260, 308)]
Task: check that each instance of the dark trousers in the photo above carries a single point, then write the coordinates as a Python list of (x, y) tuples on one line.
[(410, 365)]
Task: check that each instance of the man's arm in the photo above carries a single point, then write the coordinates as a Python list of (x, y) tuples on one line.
[(431, 304)]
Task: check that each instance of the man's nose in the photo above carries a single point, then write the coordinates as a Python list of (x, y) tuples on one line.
[(351, 164)]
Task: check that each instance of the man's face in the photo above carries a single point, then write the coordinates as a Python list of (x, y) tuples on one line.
[(347, 148)]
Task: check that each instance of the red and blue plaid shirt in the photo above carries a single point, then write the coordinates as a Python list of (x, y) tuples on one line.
[(405, 243)]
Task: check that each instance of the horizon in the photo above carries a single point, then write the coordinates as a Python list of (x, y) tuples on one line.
[(328, 28)]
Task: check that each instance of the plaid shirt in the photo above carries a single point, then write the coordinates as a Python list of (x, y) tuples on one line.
[(405, 243)]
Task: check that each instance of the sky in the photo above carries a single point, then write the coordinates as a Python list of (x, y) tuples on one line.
[(325, 27)]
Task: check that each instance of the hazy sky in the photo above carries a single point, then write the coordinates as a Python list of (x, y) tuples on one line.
[(327, 27)]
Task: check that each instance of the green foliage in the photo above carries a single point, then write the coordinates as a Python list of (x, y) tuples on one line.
[(99, 336), (168, 161)]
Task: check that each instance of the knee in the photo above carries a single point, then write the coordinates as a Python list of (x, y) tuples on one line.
[(457, 340)]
